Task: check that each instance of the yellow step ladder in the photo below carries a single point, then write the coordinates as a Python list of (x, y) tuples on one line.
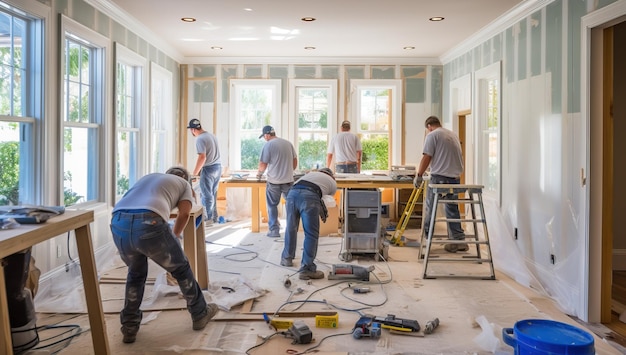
[(476, 238), (406, 215)]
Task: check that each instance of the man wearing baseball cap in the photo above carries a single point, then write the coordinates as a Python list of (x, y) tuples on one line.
[(208, 166), (278, 159), (346, 148)]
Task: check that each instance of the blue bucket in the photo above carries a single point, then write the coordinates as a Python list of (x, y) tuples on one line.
[(546, 337)]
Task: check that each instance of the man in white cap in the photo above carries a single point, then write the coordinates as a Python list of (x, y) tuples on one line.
[(278, 159), (346, 148), (305, 201), (208, 166)]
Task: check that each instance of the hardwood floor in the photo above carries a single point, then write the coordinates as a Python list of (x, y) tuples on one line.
[(618, 293)]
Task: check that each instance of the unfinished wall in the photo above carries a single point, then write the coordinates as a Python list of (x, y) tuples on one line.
[(542, 152)]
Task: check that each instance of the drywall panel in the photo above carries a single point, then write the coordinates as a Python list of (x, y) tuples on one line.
[(554, 52), (203, 71), (536, 43), (330, 72), (383, 72), (304, 71), (522, 49), (229, 71)]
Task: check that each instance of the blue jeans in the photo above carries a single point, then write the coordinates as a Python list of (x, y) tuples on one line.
[(303, 203), (273, 192), (347, 168), (209, 182), (455, 231), (142, 234)]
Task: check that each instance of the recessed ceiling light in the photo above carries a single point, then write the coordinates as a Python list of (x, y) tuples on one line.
[(309, 48), (188, 19), (308, 19), (409, 48), (436, 18), (216, 48), (247, 9)]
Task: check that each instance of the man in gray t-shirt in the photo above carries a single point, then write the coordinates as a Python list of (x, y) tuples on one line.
[(140, 229), (278, 159), (442, 152), (208, 166)]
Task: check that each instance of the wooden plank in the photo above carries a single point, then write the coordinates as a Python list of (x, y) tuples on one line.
[(247, 306)]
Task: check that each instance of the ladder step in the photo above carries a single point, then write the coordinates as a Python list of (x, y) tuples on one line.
[(448, 241), (459, 220), (461, 200), (473, 260)]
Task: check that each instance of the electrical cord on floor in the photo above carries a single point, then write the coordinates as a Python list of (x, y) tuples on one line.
[(245, 251), (70, 328), (350, 287), (265, 339), (320, 343)]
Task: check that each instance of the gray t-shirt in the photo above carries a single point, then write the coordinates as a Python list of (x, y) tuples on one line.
[(327, 184), (344, 147), (278, 154), (445, 149), (156, 192), (207, 143)]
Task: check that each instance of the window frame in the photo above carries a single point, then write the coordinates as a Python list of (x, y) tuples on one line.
[(481, 76), (395, 127), (234, 143), (33, 110), (139, 109), (99, 104), (162, 112), (296, 84)]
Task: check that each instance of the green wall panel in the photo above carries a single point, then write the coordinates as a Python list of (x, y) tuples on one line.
[(554, 23), (383, 72), (330, 72), (522, 49), (304, 71), (535, 43), (355, 72), (577, 9), (253, 71), (228, 72), (509, 55), (204, 71)]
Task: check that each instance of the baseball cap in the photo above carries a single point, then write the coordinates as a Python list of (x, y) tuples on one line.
[(267, 130), (194, 123), (345, 124)]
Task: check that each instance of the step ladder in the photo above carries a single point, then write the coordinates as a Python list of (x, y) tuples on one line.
[(476, 238), (397, 239)]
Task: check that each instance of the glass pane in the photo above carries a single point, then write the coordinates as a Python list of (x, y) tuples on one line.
[(126, 161), (12, 71), (375, 152), (159, 145), (255, 112), (312, 108), (80, 181), (9, 163), (374, 110), (312, 150)]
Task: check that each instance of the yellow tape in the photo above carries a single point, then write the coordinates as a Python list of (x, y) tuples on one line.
[(281, 323), (327, 321)]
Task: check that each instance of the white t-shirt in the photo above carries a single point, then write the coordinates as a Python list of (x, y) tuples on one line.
[(344, 147)]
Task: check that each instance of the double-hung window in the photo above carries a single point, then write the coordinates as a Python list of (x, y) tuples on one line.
[(130, 107), (83, 112), (21, 78)]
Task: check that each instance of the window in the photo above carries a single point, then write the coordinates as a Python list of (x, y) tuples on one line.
[(313, 103), (488, 119), (21, 47), (377, 108), (255, 103), (129, 110), (83, 112), (161, 120)]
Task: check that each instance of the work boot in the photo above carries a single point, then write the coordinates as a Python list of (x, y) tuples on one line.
[(286, 262), (211, 310), (130, 334), (274, 234), (453, 248), (307, 275)]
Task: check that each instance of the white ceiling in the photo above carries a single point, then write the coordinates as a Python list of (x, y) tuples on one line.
[(343, 28)]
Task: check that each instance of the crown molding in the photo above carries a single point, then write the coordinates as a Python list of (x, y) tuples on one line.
[(500, 24), (313, 60), (116, 13)]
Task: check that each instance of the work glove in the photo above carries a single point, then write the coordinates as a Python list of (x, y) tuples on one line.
[(259, 176), (323, 211), (417, 182)]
